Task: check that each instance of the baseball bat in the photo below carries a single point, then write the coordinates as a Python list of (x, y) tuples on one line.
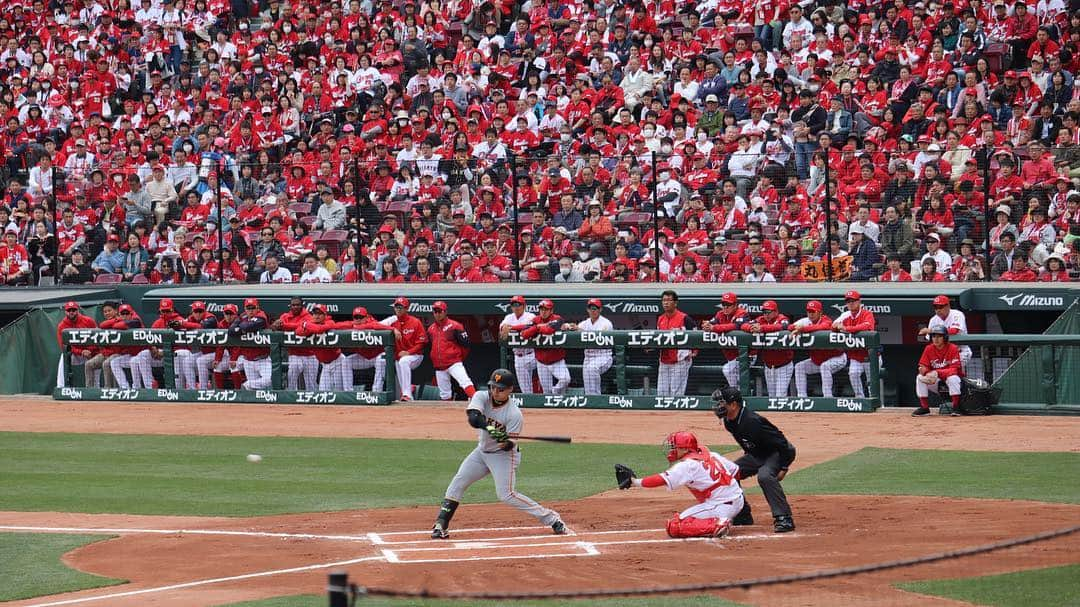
[(549, 439)]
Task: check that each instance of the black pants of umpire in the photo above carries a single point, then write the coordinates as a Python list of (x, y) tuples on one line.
[(766, 470)]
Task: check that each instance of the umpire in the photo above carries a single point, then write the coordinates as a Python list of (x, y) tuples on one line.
[(768, 454)]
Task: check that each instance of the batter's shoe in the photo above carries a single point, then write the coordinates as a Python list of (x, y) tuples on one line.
[(558, 528), (919, 411), (783, 524), (744, 517), (439, 533)]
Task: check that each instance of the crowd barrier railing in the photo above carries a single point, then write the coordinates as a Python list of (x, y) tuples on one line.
[(628, 397), (278, 343)]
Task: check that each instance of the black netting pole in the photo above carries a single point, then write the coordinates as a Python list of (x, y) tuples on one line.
[(655, 218), (517, 234), (828, 220), (56, 231), (986, 214), (337, 589), (220, 232), (359, 240)]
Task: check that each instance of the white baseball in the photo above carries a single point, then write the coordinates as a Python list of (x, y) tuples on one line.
[(254, 458)]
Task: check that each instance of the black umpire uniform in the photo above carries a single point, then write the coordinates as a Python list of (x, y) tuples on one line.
[(767, 453)]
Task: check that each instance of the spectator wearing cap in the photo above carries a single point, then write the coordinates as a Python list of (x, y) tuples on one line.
[(162, 193), (936, 251), (111, 259), (864, 253), (759, 271), (332, 213)]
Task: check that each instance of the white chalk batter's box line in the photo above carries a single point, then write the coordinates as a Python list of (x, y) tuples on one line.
[(579, 548)]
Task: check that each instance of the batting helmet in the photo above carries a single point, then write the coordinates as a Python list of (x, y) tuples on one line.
[(679, 440), (502, 378), (940, 330)]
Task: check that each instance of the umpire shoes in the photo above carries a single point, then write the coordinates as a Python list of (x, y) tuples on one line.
[(783, 524)]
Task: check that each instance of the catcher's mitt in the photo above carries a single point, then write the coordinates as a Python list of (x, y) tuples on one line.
[(624, 476)]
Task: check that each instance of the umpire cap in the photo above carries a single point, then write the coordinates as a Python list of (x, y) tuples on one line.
[(502, 378)]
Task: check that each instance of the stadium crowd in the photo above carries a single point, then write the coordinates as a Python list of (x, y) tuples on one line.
[(183, 141)]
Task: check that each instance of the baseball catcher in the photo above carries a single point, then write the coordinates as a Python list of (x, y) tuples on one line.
[(711, 478)]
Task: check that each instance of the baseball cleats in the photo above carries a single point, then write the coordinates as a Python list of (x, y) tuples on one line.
[(558, 528), (438, 532), (744, 517), (783, 524), (919, 411)]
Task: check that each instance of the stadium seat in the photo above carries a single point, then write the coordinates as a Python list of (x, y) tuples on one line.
[(108, 279)]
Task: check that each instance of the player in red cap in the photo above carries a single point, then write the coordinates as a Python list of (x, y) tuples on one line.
[(74, 319), (778, 367), (826, 362), (449, 347), (167, 318), (98, 369), (254, 362), (855, 319), (301, 360), (596, 361), (524, 358), (410, 349), (216, 361), (364, 358), (954, 322), (124, 354), (674, 368), (550, 362), (730, 317), (334, 364)]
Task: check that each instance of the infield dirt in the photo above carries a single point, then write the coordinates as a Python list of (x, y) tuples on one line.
[(833, 530)]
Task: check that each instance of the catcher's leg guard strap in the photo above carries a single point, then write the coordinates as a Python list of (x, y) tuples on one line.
[(693, 527), (446, 511)]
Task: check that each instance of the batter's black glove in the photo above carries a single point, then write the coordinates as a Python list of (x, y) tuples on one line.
[(624, 476)]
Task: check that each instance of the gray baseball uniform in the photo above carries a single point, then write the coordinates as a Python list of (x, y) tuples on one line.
[(488, 457)]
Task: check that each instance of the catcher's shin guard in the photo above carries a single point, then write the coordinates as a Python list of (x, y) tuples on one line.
[(697, 527), (446, 512)]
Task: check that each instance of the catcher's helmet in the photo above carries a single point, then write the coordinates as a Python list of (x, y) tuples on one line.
[(679, 440), (502, 378)]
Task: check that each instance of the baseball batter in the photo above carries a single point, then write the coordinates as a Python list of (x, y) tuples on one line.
[(497, 421), (710, 477), (855, 319), (449, 347), (954, 322), (778, 367), (940, 361), (674, 368), (729, 318), (596, 361), (825, 362), (524, 358)]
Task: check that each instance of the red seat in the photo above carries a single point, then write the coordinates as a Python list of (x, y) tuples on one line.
[(998, 55), (635, 218), (140, 279), (308, 221), (108, 279), (334, 241), (400, 206), (300, 208)]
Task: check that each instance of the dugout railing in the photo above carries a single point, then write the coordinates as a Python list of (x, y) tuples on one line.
[(278, 344), (631, 389), (1043, 378)]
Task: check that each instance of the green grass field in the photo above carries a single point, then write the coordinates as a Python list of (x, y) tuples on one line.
[(1051, 587), (210, 476), (310, 600), (1044, 477), (30, 565)]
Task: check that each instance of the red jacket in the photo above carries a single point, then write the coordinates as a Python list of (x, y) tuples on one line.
[(678, 321), (310, 327), (547, 356), (823, 324), (251, 323), (724, 323), (291, 322), (945, 360), (413, 335), (772, 358), (449, 344), (167, 318), (863, 321), (82, 321), (362, 325)]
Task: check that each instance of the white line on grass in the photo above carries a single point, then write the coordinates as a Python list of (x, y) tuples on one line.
[(234, 578)]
